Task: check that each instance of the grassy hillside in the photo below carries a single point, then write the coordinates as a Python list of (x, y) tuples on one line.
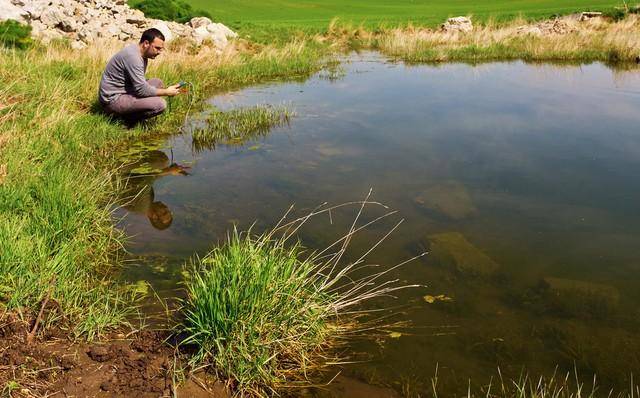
[(316, 14)]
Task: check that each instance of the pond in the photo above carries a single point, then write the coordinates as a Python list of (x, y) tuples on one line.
[(519, 180)]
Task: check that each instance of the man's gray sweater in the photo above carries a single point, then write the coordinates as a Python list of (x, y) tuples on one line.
[(124, 74)]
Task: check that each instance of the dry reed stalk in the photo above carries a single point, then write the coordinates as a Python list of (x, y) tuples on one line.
[(541, 40)]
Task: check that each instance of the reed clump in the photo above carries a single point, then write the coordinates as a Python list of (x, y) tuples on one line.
[(237, 126), (265, 314)]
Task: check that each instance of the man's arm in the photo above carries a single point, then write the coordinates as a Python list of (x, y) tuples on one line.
[(135, 70), (169, 91)]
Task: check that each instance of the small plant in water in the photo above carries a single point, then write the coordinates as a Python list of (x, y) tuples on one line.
[(237, 126), (264, 314)]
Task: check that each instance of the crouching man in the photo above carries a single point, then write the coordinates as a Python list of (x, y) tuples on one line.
[(124, 90)]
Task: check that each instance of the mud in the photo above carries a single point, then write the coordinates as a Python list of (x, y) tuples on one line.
[(139, 365)]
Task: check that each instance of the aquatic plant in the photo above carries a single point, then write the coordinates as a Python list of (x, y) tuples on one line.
[(237, 126), (264, 313), (556, 385)]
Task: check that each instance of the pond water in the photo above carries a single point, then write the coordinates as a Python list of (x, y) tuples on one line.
[(520, 180)]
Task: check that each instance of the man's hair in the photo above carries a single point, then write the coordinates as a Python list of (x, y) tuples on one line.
[(150, 34)]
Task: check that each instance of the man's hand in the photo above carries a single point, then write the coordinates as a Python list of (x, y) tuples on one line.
[(169, 91)]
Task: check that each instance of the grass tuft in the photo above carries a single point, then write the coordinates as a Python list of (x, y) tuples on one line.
[(237, 126), (265, 314)]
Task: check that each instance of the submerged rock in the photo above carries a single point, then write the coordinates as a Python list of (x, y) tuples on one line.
[(578, 298), (450, 198), (455, 249)]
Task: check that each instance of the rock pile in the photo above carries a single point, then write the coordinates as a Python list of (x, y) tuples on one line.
[(457, 24), (87, 21), (546, 28)]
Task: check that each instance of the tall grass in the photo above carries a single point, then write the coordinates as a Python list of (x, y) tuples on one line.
[(570, 40), (264, 313)]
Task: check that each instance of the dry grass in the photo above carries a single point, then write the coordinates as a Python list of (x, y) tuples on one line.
[(565, 39)]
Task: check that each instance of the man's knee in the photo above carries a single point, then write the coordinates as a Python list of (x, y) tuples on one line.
[(160, 105), (155, 82)]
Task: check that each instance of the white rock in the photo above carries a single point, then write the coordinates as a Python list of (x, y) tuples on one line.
[(50, 34), (11, 11), (200, 34), (458, 24), (136, 17), (197, 22), (78, 45), (68, 24), (86, 35), (217, 28), (52, 17), (162, 27)]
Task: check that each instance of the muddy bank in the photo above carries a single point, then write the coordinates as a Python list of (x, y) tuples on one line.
[(140, 364)]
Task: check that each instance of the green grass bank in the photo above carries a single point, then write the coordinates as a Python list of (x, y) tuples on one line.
[(59, 177)]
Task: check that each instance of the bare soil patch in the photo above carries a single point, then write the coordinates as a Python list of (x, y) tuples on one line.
[(140, 365)]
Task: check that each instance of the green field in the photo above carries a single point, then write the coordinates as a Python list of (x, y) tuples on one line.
[(316, 14)]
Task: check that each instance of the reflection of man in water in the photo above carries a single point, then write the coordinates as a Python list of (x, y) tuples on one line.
[(140, 189)]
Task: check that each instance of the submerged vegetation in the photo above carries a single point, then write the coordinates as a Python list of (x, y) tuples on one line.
[(237, 126)]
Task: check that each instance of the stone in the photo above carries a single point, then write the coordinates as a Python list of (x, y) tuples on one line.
[(47, 35), (52, 17), (68, 24), (200, 34), (197, 22), (86, 35), (589, 15), (217, 28), (78, 45), (87, 21), (457, 24), (529, 30), (136, 17), (454, 249), (11, 11), (577, 298), (573, 287), (164, 28), (450, 199)]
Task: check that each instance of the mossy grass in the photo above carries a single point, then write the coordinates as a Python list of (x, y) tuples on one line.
[(266, 314)]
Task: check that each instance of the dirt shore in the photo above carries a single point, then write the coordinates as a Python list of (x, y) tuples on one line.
[(53, 365)]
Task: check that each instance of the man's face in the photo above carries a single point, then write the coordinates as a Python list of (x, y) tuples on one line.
[(153, 49)]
